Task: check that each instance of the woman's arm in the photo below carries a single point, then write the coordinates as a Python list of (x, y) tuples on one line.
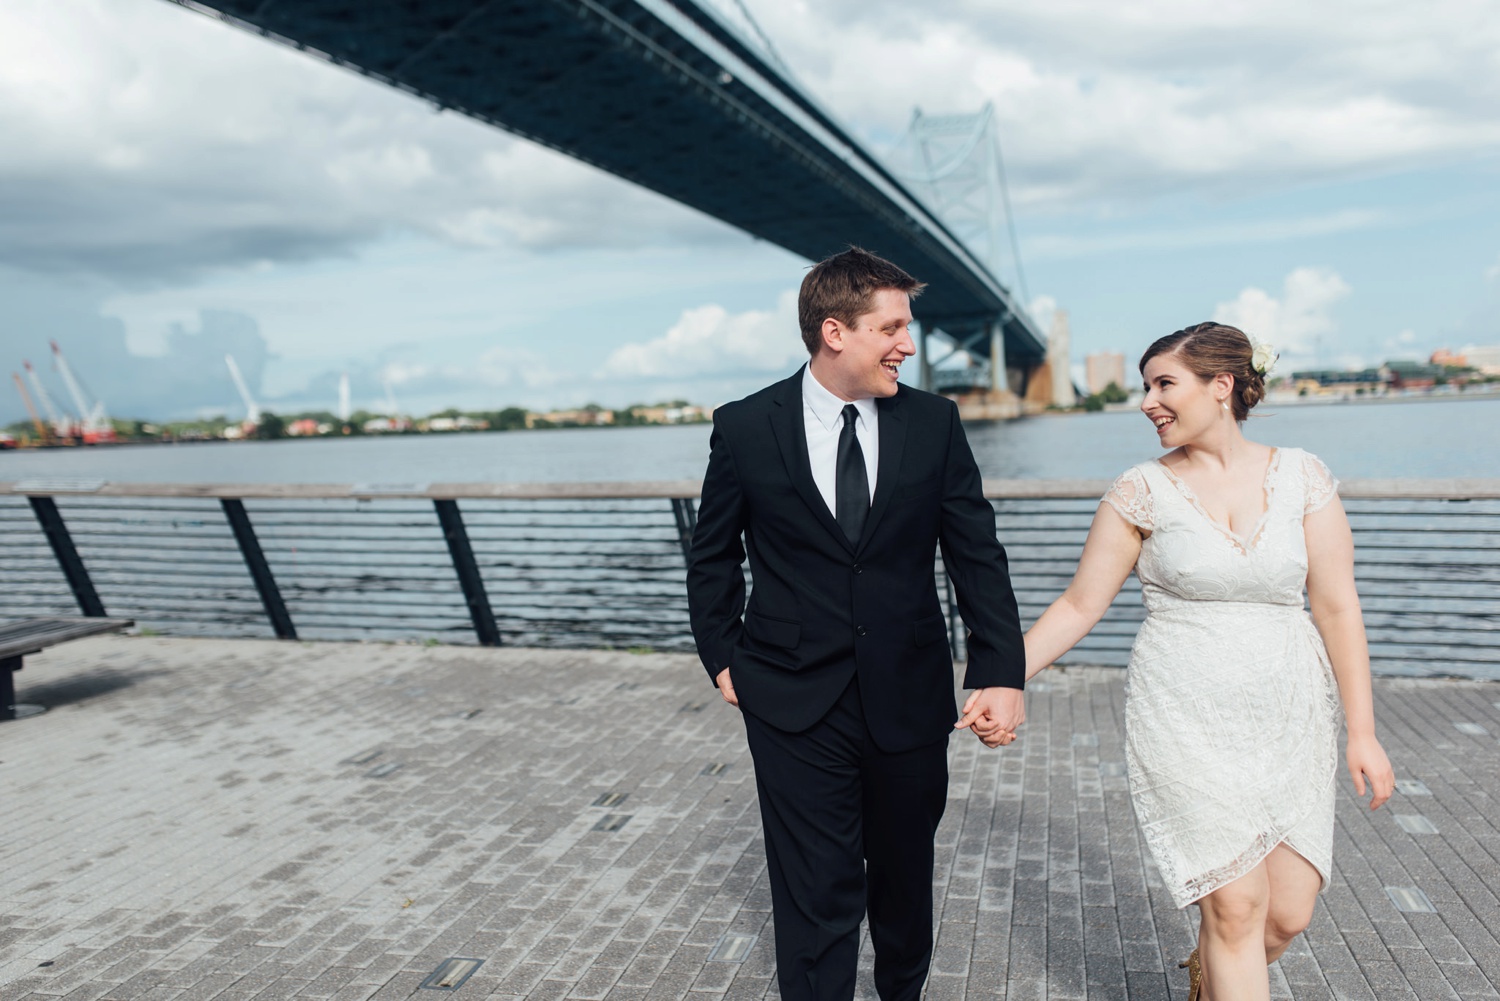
[(1109, 554), (1335, 611)]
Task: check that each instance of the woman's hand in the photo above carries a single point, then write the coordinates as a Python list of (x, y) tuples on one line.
[(1367, 760)]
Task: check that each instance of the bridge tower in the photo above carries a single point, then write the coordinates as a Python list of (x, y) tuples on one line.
[(954, 164)]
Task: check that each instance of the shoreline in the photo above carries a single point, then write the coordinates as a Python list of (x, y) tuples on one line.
[(1323, 401)]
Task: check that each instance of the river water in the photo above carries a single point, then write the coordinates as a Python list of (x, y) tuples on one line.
[(1418, 439)]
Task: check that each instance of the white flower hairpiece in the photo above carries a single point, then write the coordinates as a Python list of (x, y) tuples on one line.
[(1263, 357)]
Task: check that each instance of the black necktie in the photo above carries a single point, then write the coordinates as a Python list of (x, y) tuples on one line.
[(851, 483)]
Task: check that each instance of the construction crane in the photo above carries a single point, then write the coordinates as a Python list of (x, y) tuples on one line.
[(253, 415), (62, 428), (43, 433), (96, 426)]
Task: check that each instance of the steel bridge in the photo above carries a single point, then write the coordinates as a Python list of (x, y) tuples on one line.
[(670, 96)]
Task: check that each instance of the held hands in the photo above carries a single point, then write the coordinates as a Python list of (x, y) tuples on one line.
[(1367, 760), (726, 688), (993, 714)]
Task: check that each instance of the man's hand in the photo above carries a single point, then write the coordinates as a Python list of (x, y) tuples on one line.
[(993, 715), (726, 688)]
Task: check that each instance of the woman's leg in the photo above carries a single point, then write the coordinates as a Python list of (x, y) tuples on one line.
[(1232, 939), (1294, 890)]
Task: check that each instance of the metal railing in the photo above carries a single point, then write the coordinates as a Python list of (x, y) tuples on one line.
[(602, 564)]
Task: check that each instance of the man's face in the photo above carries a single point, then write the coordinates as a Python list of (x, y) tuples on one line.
[(869, 353)]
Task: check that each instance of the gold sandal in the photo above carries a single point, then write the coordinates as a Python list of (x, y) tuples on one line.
[(1195, 975)]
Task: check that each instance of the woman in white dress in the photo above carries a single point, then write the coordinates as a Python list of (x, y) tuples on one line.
[(1233, 690)]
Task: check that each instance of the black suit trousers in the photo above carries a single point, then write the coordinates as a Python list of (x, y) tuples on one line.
[(849, 829)]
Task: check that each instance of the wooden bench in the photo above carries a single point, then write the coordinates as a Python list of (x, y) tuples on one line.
[(28, 636)]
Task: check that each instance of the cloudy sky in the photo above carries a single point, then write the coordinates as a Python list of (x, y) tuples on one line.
[(172, 189)]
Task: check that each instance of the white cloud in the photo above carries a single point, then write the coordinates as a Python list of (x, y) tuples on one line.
[(1042, 308), (1116, 101), (1406, 344), (1295, 323), (150, 144), (709, 340), (1106, 241)]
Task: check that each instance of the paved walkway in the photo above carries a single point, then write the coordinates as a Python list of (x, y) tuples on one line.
[(203, 819)]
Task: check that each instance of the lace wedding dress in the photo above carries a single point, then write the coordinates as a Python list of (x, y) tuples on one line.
[(1231, 711)]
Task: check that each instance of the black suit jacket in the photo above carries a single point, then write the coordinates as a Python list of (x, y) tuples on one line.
[(823, 609)]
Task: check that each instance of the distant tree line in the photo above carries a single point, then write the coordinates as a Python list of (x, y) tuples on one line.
[(1112, 393), (275, 425)]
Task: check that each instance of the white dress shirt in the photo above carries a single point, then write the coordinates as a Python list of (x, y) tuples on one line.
[(823, 419)]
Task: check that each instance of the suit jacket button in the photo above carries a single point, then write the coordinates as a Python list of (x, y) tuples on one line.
[(857, 568), (860, 631)]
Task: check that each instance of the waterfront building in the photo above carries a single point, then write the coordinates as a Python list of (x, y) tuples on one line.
[(1406, 376), (1485, 357), (589, 416), (1060, 360), (688, 414), (1340, 383), (1102, 368), (460, 423)]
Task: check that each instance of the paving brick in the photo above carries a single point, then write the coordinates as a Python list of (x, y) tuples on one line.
[(293, 873)]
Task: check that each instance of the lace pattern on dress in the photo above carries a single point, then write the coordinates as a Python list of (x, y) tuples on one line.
[(1131, 497), (1322, 485), (1231, 711), (1268, 491)]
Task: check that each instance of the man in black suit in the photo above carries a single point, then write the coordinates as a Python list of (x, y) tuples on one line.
[(842, 484)]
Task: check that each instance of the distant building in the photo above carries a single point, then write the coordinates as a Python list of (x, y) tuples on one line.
[(303, 427), (1059, 357), (1447, 359), (1409, 375), (672, 415), (1103, 368), (1486, 358), (459, 423), (1340, 382), (583, 417)]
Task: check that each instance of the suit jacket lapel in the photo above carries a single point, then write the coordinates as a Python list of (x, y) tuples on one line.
[(892, 447), (791, 439)]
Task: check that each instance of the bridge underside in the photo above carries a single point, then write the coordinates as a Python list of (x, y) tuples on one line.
[(663, 95)]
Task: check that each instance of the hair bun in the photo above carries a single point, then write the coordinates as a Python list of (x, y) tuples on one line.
[(1252, 389)]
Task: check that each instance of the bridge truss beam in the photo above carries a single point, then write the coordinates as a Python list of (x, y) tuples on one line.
[(662, 93)]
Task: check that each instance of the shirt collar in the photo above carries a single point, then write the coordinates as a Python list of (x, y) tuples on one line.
[(828, 408)]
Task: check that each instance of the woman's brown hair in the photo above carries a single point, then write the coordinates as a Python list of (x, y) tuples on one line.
[(1210, 348)]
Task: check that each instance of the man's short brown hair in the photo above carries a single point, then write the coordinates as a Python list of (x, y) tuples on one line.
[(843, 287)]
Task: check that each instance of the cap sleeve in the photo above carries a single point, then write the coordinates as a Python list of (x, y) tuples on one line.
[(1131, 497), (1320, 485)]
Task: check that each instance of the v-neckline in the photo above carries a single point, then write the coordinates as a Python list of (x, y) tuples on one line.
[(1246, 543)]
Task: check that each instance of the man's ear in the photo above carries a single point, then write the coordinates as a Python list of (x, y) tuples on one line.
[(833, 335)]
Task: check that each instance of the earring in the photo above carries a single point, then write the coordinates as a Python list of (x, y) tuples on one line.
[(1224, 404)]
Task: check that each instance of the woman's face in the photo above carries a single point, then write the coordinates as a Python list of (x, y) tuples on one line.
[(1181, 405)]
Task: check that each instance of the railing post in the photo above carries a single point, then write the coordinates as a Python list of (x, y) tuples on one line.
[(687, 520), (468, 572), (45, 509), (8, 668), (260, 570)]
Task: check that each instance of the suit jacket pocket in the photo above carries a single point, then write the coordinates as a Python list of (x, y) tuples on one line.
[(773, 632), (930, 630)]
